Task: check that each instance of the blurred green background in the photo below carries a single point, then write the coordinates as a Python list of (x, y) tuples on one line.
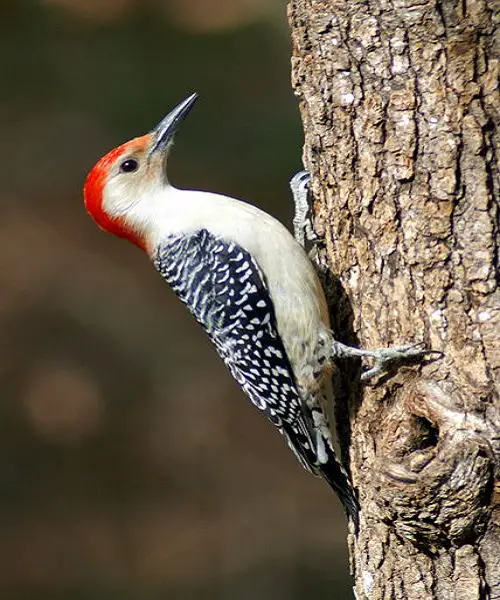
[(131, 466)]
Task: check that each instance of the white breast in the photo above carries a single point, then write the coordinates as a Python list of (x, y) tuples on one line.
[(294, 286)]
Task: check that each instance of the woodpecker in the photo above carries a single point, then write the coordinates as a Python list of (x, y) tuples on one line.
[(245, 279)]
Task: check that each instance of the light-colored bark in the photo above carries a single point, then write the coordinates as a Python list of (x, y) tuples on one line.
[(400, 105)]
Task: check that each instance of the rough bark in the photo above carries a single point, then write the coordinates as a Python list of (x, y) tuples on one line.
[(400, 105)]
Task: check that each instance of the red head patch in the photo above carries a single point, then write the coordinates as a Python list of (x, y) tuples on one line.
[(93, 191)]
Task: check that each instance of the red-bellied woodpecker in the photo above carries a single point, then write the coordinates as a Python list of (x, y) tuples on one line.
[(247, 281)]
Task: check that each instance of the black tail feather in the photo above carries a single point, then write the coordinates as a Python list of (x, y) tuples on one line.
[(332, 471), (338, 480)]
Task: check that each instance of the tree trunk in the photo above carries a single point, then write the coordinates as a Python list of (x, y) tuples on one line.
[(400, 106)]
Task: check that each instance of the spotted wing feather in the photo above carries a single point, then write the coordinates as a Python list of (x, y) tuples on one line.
[(225, 290)]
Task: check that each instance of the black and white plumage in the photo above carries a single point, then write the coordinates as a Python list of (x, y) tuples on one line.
[(243, 276), (246, 279), (226, 291)]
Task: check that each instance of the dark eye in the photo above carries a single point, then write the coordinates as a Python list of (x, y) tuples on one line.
[(129, 165)]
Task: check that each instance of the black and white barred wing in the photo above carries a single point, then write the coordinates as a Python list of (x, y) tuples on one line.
[(225, 290)]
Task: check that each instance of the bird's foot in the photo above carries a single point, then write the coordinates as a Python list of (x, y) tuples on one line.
[(383, 358), (302, 220)]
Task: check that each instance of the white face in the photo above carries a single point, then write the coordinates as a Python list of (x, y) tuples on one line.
[(125, 191), (139, 171), (133, 179)]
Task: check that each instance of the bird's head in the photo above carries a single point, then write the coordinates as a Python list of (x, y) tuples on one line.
[(128, 177)]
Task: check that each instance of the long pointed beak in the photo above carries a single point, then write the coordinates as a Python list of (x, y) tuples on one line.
[(164, 132)]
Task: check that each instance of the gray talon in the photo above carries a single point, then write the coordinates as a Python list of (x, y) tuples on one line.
[(302, 223), (382, 356)]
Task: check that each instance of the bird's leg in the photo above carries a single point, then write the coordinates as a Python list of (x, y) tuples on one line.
[(304, 231), (383, 357), (302, 221)]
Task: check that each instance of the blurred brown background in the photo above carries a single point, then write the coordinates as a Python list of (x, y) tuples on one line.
[(131, 466)]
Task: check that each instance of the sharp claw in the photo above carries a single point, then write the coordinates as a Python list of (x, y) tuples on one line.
[(369, 373), (384, 356), (299, 179)]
